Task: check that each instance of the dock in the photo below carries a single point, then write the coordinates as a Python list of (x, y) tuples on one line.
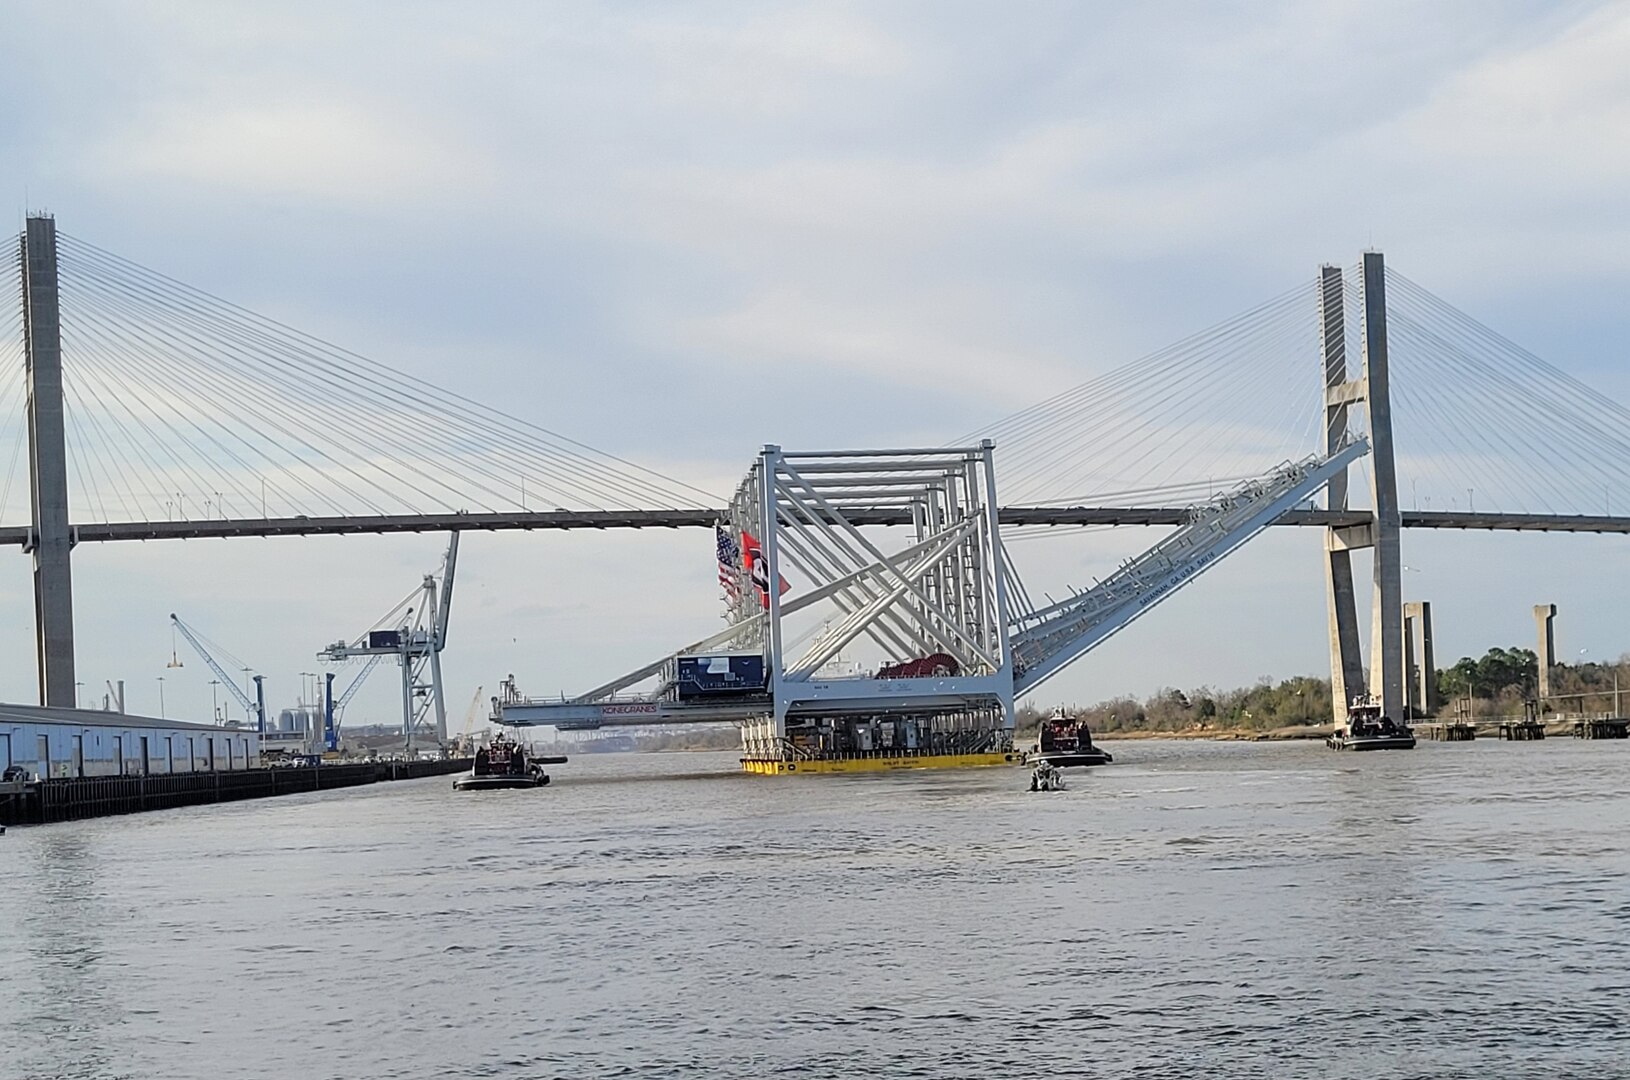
[(1456, 731), (72, 799), (1601, 727), (1522, 730)]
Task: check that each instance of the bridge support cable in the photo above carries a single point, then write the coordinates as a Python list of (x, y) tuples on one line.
[(1500, 427), (13, 379), (1050, 638), (121, 357), (187, 406), (275, 403), (272, 358), (1203, 413), (285, 344)]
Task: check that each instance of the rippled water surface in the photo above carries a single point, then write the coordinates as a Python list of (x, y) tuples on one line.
[(1198, 908)]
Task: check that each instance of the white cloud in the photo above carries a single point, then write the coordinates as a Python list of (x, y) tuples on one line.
[(299, 149)]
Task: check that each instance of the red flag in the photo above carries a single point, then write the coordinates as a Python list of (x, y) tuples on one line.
[(758, 569)]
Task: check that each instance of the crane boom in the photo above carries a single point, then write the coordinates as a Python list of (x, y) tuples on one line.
[(446, 604), (1046, 640), (356, 683), (251, 706)]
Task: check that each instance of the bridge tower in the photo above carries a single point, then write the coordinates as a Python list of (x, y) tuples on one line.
[(1381, 533), (51, 540)]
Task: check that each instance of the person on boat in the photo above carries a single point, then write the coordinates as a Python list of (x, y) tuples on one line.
[(517, 761), (482, 759)]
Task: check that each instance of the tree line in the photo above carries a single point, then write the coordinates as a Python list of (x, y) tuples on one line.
[(1498, 683)]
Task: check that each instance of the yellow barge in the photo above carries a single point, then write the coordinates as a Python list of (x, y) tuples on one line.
[(875, 763)]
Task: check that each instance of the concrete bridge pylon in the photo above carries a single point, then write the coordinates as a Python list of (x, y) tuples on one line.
[(1381, 533), (50, 536)]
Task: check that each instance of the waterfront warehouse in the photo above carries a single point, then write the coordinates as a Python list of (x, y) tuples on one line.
[(62, 743)]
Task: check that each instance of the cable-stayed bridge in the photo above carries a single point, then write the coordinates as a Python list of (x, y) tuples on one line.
[(147, 409)]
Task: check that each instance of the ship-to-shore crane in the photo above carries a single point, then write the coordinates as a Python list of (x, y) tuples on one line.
[(252, 706), (415, 631)]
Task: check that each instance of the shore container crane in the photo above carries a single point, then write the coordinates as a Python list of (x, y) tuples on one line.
[(415, 632)]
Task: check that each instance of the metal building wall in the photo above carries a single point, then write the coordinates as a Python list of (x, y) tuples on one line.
[(116, 749)]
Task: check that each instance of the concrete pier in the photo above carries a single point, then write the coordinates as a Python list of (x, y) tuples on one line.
[(1601, 727), (1419, 661), (1545, 625)]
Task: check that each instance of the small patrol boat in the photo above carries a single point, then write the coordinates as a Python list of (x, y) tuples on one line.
[(1367, 729), (1064, 742), (505, 764), (1046, 777)]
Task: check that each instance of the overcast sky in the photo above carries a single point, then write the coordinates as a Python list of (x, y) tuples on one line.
[(680, 231)]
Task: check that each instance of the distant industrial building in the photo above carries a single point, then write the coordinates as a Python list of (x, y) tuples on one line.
[(50, 743)]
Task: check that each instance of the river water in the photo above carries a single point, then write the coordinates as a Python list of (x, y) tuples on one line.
[(1228, 909)]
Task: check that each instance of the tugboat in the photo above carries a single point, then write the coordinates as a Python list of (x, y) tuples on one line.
[(1367, 729), (1065, 741), (504, 764)]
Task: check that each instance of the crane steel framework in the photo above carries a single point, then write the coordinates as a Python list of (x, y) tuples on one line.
[(416, 641)]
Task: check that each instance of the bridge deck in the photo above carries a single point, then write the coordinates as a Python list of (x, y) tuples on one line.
[(19, 535)]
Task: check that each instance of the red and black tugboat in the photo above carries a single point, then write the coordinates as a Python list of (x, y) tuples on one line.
[(1064, 741), (505, 764)]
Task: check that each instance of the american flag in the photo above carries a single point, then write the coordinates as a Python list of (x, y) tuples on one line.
[(729, 563)]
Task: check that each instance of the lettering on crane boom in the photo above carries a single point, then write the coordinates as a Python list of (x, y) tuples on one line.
[(636, 708), (1188, 572)]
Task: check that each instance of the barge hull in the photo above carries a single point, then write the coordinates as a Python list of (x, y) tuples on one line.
[(889, 763), (1378, 742)]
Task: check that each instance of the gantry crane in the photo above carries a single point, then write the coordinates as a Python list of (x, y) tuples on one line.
[(414, 631), (255, 706)]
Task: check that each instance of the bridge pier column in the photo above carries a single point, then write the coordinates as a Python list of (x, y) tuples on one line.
[(1545, 624), (1420, 663), (52, 539)]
